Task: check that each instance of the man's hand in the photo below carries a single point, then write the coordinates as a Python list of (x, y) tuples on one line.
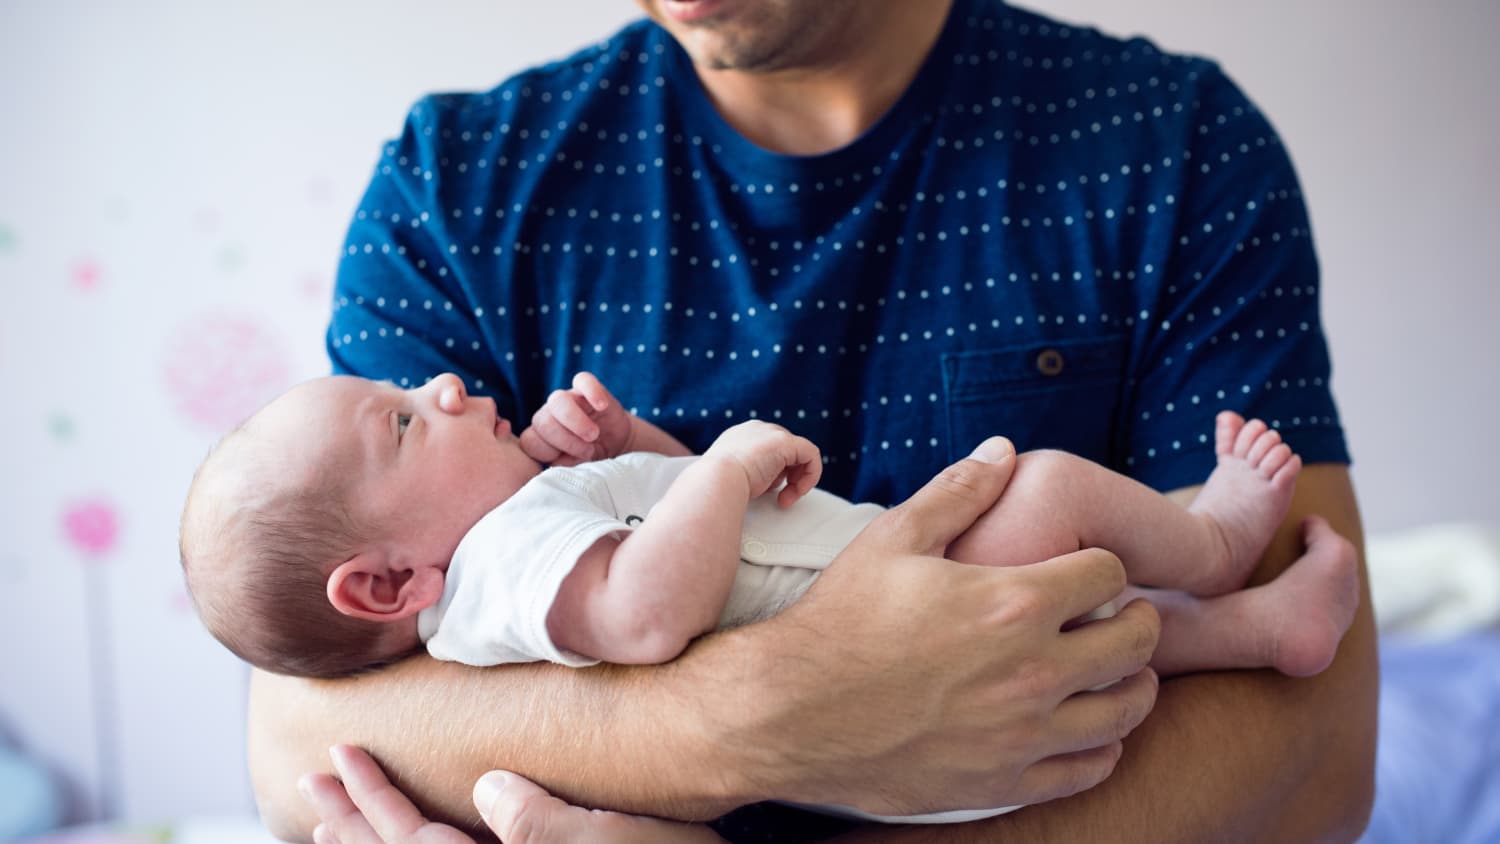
[(770, 453), (363, 807), (578, 425), (983, 695)]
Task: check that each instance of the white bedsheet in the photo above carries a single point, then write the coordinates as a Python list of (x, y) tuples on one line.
[(1435, 582)]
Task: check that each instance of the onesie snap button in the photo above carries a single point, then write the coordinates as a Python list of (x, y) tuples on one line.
[(1049, 362), (753, 548)]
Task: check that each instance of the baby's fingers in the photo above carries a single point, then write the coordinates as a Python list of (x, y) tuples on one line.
[(593, 391), (557, 424), (550, 431), (537, 448), (571, 412), (800, 479)]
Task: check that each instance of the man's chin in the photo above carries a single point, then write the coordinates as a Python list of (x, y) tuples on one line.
[(713, 51)]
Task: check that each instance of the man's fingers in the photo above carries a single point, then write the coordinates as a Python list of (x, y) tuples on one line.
[(948, 504), (1081, 581), (1067, 774), (1105, 650), (1089, 729), (518, 810), (342, 822), (386, 810), (521, 812), (1096, 718)]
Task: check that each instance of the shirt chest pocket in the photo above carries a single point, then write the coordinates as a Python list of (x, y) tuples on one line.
[(1057, 394)]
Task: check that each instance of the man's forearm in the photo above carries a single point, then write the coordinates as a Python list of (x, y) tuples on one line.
[(592, 735), (1165, 790), (1233, 756)]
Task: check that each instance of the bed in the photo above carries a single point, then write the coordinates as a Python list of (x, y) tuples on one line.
[(1436, 592)]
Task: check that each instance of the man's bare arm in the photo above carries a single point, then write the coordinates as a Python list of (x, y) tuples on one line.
[(1232, 756), (959, 673)]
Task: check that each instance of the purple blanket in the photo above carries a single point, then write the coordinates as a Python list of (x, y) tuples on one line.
[(1438, 773)]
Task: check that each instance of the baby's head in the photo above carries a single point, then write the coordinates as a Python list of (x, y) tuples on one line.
[(316, 531)]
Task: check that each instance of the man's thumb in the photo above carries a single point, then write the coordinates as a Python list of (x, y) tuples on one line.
[(949, 503)]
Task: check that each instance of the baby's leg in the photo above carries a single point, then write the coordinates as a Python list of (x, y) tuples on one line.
[(1057, 502), (1292, 624)]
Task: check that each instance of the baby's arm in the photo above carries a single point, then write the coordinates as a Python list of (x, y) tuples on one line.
[(642, 599), (587, 423)]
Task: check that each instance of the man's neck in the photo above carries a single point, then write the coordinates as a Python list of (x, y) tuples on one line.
[(831, 99)]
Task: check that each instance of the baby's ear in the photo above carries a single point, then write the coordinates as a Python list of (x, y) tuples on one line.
[(367, 586)]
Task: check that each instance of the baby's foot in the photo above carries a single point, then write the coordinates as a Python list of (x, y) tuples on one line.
[(1245, 498), (1310, 606)]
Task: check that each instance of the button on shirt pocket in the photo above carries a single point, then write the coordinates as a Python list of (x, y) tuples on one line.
[(1060, 394)]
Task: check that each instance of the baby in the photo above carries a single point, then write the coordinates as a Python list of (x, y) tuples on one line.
[(349, 522)]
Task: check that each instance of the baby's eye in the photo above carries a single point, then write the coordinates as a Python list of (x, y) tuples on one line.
[(403, 420)]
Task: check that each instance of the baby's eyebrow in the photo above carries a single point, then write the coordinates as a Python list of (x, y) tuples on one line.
[(376, 415)]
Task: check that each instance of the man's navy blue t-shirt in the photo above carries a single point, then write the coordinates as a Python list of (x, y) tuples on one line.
[(1075, 241), (1072, 240)]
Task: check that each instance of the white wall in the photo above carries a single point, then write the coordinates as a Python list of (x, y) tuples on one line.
[(175, 177)]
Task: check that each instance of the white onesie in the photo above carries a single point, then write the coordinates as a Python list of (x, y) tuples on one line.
[(506, 572)]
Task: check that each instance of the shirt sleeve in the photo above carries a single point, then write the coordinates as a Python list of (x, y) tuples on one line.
[(506, 573), (1235, 322), (400, 311)]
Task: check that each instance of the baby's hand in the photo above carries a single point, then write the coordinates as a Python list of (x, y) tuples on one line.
[(768, 453), (578, 425)]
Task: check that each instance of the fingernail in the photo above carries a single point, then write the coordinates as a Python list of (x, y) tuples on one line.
[(993, 450), (487, 791)]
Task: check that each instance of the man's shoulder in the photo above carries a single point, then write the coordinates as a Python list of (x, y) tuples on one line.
[(1071, 91), (1063, 58)]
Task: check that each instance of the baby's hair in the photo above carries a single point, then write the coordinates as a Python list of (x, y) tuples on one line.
[(257, 563)]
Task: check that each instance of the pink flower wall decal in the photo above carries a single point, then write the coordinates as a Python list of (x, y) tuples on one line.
[(92, 526), (316, 286), (86, 274), (223, 367)]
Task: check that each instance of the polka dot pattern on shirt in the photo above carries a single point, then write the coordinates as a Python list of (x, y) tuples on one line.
[(1040, 189)]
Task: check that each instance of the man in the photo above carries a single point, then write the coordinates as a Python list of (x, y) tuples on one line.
[(897, 228)]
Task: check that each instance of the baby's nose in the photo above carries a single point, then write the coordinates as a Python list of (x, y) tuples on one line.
[(451, 393)]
